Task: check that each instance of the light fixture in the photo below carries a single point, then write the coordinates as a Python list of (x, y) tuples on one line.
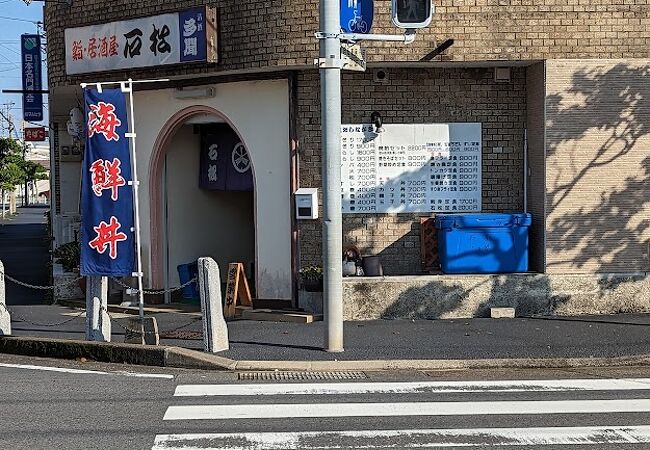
[(377, 121), (195, 92)]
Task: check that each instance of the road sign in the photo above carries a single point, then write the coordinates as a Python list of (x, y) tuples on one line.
[(35, 134), (411, 14), (357, 15), (32, 81), (353, 57)]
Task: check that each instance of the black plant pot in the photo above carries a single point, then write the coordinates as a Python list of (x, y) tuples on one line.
[(313, 285)]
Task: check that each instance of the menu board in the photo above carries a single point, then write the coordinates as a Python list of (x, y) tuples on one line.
[(411, 168)]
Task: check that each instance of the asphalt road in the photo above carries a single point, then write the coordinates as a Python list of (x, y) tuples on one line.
[(49, 404), (24, 251)]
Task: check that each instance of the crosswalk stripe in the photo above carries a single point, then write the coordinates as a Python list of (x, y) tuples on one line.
[(314, 410), (431, 438), (198, 390)]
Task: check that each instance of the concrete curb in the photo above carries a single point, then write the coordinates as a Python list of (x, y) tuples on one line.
[(177, 357), (161, 356), (443, 364)]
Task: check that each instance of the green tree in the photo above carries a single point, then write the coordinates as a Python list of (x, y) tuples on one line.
[(12, 171), (33, 172)]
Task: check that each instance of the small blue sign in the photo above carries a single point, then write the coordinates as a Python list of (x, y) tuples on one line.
[(357, 16), (30, 45), (107, 240), (193, 35)]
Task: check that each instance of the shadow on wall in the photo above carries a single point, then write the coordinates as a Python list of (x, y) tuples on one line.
[(474, 296), (403, 252), (599, 123), (610, 231), (410, 190)]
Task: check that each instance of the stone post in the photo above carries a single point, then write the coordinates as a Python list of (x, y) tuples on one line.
[(5, 318), (215, 331), (12, 203), (98, 322)]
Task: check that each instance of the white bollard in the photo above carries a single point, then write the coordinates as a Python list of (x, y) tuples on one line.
[(215, 331), (5, 318), (98, 322)]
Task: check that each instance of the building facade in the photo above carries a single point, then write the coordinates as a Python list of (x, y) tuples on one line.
[(559, 88)]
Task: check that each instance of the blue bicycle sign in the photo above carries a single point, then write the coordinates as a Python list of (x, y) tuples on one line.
[(357, 16)]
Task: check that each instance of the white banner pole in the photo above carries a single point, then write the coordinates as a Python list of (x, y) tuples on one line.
[(136, 201), (134, 177)]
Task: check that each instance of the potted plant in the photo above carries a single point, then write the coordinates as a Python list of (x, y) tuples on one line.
[(69, 256), (312, 278)]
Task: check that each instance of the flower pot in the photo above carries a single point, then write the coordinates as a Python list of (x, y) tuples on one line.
[(372, 266), (349, 268), (313, 285)]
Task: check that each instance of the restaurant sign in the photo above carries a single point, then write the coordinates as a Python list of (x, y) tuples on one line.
[(174, 38)]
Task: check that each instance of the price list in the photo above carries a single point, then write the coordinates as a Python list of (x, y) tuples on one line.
[(411, 168)]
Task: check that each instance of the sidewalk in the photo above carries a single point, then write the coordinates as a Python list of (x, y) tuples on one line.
[(464, 339), (24, 251)]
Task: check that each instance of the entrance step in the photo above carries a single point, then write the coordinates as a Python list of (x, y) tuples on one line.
[(272, 315)]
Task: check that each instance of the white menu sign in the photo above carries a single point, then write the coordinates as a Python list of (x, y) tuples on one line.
[(411, 168)]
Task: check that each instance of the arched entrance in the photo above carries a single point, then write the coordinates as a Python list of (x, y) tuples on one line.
[(193, 213)]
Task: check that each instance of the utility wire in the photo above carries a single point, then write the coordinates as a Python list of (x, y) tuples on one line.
[(17, 19), (5, 46)]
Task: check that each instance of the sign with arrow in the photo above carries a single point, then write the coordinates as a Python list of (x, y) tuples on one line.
[(353, 57)]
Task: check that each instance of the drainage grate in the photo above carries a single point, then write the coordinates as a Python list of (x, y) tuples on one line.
[(300, 376), (182, 334)]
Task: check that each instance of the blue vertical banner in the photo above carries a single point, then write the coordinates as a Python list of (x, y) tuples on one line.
[(107, 239), (357, 15), (30, 45)]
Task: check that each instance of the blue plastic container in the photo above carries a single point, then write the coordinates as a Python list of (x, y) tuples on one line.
[(483, 243), (185, 273)]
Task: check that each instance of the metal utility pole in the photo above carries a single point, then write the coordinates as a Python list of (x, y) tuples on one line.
[(330, 80), (25, 197)]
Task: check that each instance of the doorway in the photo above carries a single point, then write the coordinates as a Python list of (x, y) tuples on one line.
[(208, 199)]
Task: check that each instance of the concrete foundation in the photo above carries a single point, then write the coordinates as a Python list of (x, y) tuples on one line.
[(311, 301), (65, 286), (98, 322), (448, 297), (142, 332)]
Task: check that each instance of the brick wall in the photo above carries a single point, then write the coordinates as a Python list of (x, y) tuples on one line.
[(418, 96), (526, 30), (598, 166), (264, 35), (252, 34)]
